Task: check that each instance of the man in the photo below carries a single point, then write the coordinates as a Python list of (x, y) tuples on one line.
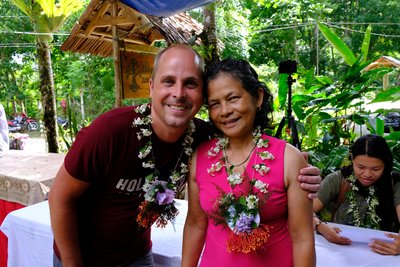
[(102, 202)]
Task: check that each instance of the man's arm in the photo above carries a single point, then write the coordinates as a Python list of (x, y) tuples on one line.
[(310, 179), (63, 196)]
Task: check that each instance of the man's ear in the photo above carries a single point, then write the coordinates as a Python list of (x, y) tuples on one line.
[(151, 85)]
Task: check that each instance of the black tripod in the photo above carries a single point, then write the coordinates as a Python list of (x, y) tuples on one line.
[(289, 67)]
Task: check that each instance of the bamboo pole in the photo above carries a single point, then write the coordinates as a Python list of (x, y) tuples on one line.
[(116, 57)]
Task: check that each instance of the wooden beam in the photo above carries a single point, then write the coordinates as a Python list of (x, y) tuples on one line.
[(137, 18), (104, 36), (142, 48), (108, 20), (99, 15)]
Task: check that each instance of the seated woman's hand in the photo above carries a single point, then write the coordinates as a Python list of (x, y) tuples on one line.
[(387, 247), (332, 234)]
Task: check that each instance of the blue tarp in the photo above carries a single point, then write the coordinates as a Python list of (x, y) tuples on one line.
[(164, 8)]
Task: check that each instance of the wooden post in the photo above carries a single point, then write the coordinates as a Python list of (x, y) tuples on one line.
[(385, 81), (116, 57)]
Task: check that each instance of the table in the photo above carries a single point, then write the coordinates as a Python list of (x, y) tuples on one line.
[(25, 179), (30, 239), (356, 254), (31, 243)]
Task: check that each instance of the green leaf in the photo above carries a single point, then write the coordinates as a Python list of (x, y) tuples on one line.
[(365, 44), (324, 115), (390, 94), (298, 110), (380, 126), (338, 44), (360, 120), (242, 201), (336, 157), (283, 89), (395, 136)]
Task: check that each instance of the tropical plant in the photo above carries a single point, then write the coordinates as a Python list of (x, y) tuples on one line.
[(47, 17), (329, 109)]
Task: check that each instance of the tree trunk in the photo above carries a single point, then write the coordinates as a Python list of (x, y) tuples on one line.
[(82, 105), (48, 95), (209, 36)]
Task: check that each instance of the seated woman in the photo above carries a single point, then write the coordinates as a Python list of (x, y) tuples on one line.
[(361, 195)]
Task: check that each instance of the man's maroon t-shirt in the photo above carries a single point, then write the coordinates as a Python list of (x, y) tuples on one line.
[(105, 154)]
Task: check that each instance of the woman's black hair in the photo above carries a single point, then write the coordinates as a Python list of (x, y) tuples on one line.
[(243, 72), (375, 146)]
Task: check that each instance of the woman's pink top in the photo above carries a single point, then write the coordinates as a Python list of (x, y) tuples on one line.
[(277, 251)]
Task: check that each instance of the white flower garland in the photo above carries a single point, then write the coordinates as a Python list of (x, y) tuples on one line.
[(372, 219), (241, 212), (178, 174), (235, 178)]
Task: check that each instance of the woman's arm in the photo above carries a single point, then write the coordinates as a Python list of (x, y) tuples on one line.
[(300, 211), (332, 234), (196, 223)]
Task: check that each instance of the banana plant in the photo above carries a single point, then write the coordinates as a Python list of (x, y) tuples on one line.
[(329, 108), (47, 17), (341, 46)]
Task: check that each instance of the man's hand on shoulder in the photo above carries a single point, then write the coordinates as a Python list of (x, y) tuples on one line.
[(310, 179)]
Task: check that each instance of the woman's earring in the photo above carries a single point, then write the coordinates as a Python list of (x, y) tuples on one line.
[(259, 108)]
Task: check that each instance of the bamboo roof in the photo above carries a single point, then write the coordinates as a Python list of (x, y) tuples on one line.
[(384, 61), (137, 32)]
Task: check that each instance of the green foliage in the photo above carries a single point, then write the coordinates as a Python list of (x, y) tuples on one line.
[(48, 15), (330, 107), (328, 160), (340, 46)]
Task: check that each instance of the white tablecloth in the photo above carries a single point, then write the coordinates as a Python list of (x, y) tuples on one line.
[(26, 178), (30, 243)]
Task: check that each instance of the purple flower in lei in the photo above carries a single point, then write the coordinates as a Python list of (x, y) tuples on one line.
[(244, 223), (166, 197)]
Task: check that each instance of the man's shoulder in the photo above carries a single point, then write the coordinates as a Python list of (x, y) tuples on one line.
[(118, 113), (116, 116)]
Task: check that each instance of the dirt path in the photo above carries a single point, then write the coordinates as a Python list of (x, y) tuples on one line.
[(35, 144)]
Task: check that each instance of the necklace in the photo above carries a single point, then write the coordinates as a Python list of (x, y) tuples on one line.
[(158, 205), (243, 162), (371, 219), (223, 142)]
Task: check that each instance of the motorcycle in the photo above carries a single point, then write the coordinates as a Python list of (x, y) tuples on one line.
[(62, 122), (29, 123), (13, 126), (22, 123)]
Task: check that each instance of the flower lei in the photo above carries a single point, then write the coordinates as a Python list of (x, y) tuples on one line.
[(159, 204), (240, 212), (372, 219)]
